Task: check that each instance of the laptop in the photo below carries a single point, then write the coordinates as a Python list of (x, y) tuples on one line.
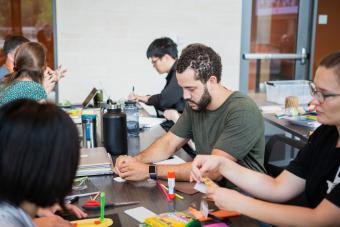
[(84, 104), (89, 97)]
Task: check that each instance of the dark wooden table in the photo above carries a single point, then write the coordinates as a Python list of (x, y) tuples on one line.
[(298, 131), (147, 192)]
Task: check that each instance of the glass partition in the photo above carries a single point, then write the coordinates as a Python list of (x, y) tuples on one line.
[(30, 18)]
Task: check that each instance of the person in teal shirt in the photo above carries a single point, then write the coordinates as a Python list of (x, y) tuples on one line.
[(23, 89), (30, 79)]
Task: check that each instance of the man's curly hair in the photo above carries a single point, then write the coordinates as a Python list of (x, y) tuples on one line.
[(203, 60)]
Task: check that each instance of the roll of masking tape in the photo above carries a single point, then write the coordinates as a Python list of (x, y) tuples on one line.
[(292, 102)]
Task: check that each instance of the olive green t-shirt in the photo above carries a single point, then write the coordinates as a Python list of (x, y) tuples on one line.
[(236, 127)]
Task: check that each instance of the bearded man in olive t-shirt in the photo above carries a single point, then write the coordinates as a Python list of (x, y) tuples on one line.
[(220, 122)]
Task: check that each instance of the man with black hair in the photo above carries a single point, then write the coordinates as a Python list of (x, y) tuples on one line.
[(10, 45), (163, 54), (220, 121)]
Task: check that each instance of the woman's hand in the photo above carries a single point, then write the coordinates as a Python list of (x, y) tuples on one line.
[(49, 81), (51, 221), (224, 198), (76, 211), (56, 207), (203, 164), (60, 73)]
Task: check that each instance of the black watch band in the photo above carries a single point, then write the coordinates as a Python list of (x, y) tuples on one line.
[(152, 172)]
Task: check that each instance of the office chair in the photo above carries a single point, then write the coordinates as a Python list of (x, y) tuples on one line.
[(273, 170)]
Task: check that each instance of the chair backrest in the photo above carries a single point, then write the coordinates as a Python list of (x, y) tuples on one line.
[(276, 170)]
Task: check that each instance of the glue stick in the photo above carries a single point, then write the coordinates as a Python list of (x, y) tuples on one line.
[(171, 184)]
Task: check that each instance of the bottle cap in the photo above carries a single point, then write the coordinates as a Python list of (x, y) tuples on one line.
[(130, 103), (113, 105), (171, 174), (88, 116)]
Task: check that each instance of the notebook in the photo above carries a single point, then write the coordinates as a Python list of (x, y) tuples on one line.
[(94, 161)]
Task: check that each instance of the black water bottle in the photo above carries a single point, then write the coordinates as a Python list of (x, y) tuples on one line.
[(114, 130)]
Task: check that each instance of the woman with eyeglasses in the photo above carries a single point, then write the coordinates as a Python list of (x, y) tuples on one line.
[(315, 171)]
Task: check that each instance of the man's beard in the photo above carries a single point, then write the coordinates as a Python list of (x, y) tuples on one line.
[(204, 101)]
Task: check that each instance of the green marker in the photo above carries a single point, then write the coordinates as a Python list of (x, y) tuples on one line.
[(102, 206)]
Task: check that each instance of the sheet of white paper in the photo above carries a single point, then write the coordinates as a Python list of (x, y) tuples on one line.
[(201, 187), (149, 109), (271, 109), (171, 161), (149, 122), (139, 213)]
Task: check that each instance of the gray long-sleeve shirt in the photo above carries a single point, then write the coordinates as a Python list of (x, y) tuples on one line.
[(11, 216), (171, 97)]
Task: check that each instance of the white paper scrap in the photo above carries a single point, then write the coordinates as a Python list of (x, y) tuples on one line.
[(119, 179), (201, 187)]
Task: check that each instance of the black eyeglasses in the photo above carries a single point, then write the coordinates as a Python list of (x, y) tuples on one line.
[(155, 61), (319, 95)]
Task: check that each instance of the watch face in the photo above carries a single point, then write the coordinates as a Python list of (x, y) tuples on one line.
[(152, 169), (152, 172)]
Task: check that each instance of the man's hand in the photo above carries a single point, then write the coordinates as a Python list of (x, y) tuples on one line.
[(51, 221), (171, 114), (120, 161), (138, 98), (132, 96), (134, 170), (203, 164)]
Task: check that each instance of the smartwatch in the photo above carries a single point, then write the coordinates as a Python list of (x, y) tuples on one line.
[(152, 172)]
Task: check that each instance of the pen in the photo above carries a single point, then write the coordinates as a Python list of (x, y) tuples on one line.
[(80, 195), (166, 188), (95, 205), (133, 88), (72, 200), (163, 191)]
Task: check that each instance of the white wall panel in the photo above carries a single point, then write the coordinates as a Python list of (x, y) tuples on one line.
[(103, 43)]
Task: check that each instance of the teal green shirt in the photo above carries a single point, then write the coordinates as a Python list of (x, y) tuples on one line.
[(23, 89)]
